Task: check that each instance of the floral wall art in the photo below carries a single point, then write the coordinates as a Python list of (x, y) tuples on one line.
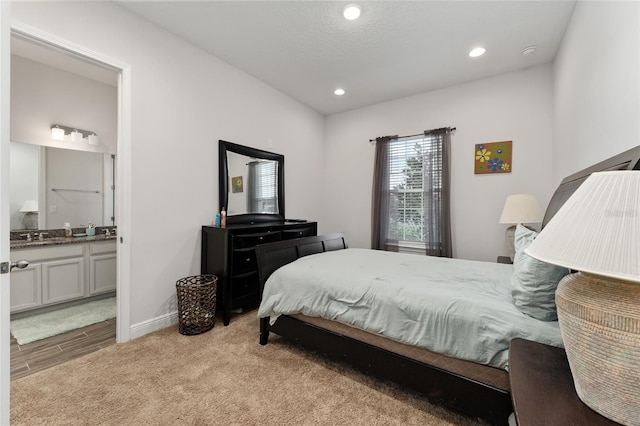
[(493, 157)]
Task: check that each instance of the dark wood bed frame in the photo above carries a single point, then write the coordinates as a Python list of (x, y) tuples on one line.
[(468, 396)]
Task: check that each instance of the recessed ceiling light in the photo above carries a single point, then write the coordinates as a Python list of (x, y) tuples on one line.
[(478, 51), (351, 12), (528, 51), (339, 92)]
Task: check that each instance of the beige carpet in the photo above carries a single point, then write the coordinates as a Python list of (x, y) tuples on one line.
[(222, 377)]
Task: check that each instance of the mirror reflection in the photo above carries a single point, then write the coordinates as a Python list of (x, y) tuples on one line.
[(51, 186), (253, 184)]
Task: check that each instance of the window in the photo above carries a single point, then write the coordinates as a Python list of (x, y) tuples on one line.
[(411, 201), (263, 186), (408, 159)]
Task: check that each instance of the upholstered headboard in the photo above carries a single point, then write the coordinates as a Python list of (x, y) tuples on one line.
[(628, 160)]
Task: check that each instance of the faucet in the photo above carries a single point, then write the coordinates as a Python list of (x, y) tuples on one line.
[(41, 235), (28, 235), (106, 232)]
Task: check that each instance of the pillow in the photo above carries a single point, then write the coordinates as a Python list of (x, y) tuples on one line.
[(534, 283)]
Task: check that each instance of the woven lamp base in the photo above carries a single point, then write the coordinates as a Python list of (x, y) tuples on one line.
[(600, 324)]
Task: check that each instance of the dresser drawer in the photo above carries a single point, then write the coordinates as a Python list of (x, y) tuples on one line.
[(245, 285), (299, 232), (250, 240), (244, 260)]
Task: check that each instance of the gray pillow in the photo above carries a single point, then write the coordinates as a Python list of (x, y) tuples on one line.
[(534, 283)]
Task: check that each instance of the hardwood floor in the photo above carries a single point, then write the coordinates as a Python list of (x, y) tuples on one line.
[(42, 354)]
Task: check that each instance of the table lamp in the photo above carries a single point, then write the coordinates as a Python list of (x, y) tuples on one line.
[(519, 208), (30, 218), (597, 233)]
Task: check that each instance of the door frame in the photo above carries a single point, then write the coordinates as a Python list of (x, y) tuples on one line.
[(123, 179), (5, 101)]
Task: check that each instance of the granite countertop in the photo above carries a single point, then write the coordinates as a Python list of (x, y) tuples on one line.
[(15, 244)]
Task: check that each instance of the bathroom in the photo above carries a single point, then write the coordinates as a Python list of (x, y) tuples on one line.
[(62, 179)]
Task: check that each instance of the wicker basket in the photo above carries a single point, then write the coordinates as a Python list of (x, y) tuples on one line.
[(196, 303)]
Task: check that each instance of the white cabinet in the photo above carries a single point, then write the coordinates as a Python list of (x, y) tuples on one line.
[(102, 267), (60, 273), (26, 288), (62, 280)]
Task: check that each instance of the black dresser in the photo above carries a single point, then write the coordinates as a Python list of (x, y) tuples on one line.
[(229, 254)]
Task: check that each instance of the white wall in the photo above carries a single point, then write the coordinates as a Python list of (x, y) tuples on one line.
[(597, 86), (42, 95), (183, 101), (515, 106)]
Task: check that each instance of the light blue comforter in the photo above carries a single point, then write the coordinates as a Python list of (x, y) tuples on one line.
[(459, 308)]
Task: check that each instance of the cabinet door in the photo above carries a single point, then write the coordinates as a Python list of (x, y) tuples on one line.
[(62, 280), (102, 273), (26, 289)]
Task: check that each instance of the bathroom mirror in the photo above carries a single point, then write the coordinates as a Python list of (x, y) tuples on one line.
[(66, 186), (251, 183)]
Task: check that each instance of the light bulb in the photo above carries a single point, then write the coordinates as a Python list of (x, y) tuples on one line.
[(351, 12)]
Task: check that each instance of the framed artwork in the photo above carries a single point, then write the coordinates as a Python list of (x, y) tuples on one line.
[(236, 184), (493, 157)]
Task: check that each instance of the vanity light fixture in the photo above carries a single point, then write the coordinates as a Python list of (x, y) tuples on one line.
[(339, 92), (478, 51), (58, 132), (351, 12)]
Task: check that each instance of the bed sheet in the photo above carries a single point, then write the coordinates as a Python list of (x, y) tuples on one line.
[(459, 308)]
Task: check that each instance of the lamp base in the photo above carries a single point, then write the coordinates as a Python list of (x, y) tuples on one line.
[(510, 235), (600, 324), (30, 220)]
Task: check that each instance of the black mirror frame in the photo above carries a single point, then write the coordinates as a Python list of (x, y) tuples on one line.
[(223, 182)]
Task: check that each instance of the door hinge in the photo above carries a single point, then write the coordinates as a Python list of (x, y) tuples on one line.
[(4, 268)]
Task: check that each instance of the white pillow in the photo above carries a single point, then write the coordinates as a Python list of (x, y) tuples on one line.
[(534, 283)]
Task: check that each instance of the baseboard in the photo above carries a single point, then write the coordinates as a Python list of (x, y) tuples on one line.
[(154, 324)]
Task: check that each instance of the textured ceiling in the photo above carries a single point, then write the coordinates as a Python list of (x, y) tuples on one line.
[(395, 49), (307, 49)]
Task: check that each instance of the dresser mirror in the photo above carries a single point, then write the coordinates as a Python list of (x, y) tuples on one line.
[(58, 185), (251, 183)]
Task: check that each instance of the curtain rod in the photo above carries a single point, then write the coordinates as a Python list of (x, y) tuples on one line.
[(452, 129)]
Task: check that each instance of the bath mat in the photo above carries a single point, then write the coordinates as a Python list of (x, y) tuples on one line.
[(40, 326)]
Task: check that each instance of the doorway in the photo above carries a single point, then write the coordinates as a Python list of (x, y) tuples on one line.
[(68, 182), (65, 58)]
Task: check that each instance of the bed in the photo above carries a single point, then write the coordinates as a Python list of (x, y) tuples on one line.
[(463, 363)]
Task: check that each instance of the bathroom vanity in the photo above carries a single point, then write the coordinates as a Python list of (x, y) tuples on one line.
[(61, 270)]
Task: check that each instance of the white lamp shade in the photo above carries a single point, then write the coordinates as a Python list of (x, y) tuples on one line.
[(29, 206), (76, 136), (521, 208), (597, 230), (57, 133), (93, 139)]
